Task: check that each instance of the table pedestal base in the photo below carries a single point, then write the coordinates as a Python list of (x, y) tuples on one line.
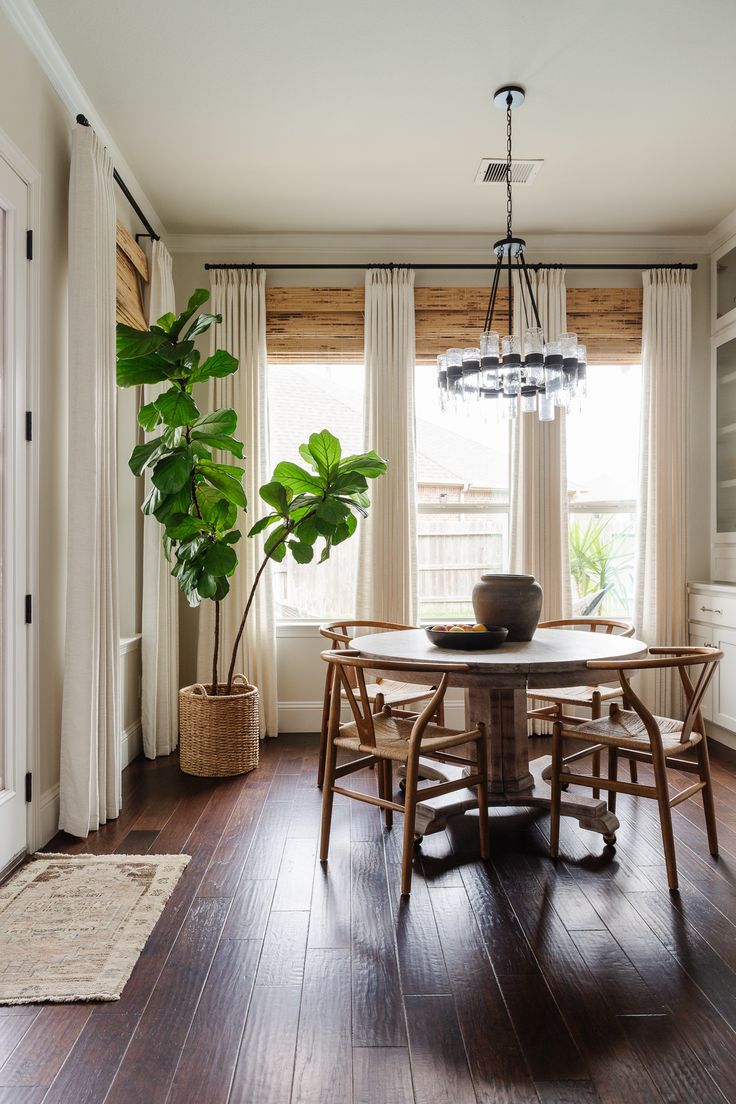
[(433, 814)]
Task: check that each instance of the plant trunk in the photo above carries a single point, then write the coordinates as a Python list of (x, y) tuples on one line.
[(241, 629), (216, 652)]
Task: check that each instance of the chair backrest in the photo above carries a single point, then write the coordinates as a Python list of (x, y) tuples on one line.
[(349, 667), (695, 682), (595, 624), (341, 633)]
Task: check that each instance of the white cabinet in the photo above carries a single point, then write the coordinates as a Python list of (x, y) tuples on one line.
[(712, 611)]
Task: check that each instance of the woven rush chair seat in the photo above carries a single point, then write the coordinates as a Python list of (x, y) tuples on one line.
[(625, 729), (575, 695), (395, 693), (393, 736)]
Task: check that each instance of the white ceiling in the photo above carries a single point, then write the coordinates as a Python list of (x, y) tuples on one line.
[(372, 115)]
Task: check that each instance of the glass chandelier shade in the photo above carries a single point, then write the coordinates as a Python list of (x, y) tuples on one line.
[(509, 373)]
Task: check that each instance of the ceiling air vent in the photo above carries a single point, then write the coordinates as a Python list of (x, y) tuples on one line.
[(493, 171)]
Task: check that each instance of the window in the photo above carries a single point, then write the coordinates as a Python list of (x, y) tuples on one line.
[(462, 502), (304, 399), (603, 487)]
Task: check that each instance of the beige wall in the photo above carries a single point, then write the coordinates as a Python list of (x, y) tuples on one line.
[(299, 667), (32, 115)]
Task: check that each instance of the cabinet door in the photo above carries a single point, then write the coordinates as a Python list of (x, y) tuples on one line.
[(711, 694), (724, 693)]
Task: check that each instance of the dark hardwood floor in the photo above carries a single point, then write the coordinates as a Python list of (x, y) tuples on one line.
[(269, 980)]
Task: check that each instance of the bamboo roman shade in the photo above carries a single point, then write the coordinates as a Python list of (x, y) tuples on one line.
[(318, 325), (131, 269)]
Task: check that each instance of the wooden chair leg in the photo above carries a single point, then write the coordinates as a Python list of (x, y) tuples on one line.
[(595, 715), (556, 789), (440, 714), (665, 817), (482, 791), (708, 804), (612, 777), (388, 791), (410, 804), (327, 799), (329, 687)]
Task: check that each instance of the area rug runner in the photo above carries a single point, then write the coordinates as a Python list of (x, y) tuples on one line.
[(72, 926)]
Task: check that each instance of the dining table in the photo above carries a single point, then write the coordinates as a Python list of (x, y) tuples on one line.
[(495, 683)]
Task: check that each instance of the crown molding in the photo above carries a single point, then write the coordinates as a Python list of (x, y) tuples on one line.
[(323, 248), (25, 17), (721, 233)]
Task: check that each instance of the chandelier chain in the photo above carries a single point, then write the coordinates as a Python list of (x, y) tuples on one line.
[(509, 102)]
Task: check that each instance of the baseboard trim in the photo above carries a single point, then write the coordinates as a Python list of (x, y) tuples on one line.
[(131, 743), (48, 815), (306, 716)]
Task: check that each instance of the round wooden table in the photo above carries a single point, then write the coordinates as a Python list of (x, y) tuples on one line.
[(495, 684)]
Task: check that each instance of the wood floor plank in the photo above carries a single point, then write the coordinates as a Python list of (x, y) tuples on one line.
[(323, 1070), (421, 960), (250, 909), (152, 1057), (22, 1095), (378, 1013), (438, 1060), (567, 1092), (382, 1074), (137, 841), (40, 1054), (265, 1065), (284, 949), (95, 1057), (497, 1066), (264, 857), (213, 1043), (508, 947), (674, 1067), (329, 924), (296, 874), (12, 1030), (548, 1047)]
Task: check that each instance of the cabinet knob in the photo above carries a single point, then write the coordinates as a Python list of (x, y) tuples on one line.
[(708, 609)]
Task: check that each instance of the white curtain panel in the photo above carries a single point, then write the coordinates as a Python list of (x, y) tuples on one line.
[(160, 617), (387, 562), (239, 295), (661, 602), (90, 782), (539, 518)]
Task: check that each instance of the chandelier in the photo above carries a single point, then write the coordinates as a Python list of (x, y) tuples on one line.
[(506, 374)]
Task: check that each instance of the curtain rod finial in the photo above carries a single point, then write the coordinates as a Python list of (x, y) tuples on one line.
[(83, 120)]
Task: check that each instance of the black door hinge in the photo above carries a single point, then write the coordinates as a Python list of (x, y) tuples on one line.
[(29, 609), (29, 425), (29, 245), (29, 788)]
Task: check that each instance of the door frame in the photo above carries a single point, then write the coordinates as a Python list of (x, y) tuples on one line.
[(27, 172)]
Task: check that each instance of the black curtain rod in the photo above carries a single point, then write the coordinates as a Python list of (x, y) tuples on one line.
[(150, 232), (464, 267)]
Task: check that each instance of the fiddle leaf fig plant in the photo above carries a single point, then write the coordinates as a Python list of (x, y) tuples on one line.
[(196, 497)]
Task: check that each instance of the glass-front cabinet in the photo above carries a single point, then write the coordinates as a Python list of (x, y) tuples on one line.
[(725, 435)]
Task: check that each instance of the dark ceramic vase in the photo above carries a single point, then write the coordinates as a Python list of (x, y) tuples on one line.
[(513, 601)]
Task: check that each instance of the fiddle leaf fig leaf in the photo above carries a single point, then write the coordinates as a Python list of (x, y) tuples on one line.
[(220, 364), (219, 422), (222, 442), (297, 479), (173, 472), (326, 452), (144, 455), (276, 495), (132, 343), (149, 417), (368, 464), (166, 321), (177, 408), (222, 481), (140, 370), (302, 553), (220, 559), (218, 512)]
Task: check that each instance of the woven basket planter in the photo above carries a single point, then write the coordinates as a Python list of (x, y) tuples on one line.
[(218, 736)]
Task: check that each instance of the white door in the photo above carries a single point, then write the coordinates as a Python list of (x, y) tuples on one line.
[(14, 282)]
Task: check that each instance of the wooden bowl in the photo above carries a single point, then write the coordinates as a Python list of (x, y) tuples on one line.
[(494, 637)]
